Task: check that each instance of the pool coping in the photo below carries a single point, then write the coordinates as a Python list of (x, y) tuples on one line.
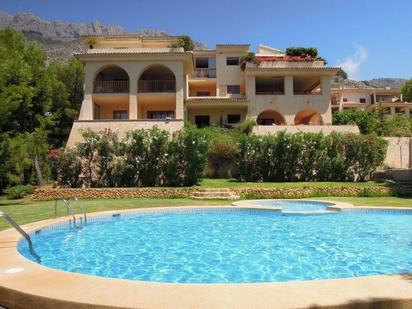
[(25, 284)]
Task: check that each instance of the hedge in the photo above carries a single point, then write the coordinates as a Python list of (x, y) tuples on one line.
[(143, 158), (309, 157)]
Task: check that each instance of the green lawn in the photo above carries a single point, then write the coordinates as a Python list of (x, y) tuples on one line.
[(389, 201), (232, 183), (26, 210)]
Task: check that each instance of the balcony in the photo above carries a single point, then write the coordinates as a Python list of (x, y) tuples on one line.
[(204, 73), (157, 86), (111, 86)]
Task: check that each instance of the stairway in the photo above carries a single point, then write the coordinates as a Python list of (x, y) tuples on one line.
[(402, 187), (214, 194)]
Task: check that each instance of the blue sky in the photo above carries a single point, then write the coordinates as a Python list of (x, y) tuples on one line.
[(369, 38)]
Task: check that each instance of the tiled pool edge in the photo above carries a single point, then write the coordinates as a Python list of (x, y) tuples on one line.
[(39, 286)]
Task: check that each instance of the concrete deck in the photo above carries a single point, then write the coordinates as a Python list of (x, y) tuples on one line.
[(25, 284)]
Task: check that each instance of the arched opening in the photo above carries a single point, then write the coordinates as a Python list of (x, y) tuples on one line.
[(157, 78), (308, 117), (270, 117), (112, 79)]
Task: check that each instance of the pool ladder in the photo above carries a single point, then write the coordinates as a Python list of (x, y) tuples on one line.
[(68, 205), (22, 232)]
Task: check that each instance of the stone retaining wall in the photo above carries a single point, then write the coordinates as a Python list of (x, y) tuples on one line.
[(311, 192), (399, 153), (93, 193), (325, 129)]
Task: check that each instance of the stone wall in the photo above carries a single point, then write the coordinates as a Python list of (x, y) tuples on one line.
[(120, 126), (326, 129), (399, 152), (47, 193)]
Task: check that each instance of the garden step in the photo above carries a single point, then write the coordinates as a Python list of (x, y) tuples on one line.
[(214, 193), (214, 190)]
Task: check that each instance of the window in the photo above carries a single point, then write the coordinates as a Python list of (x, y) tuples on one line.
[(202, 62), (120, 115), (202, 121), (160, 114), (232, 60), (233, 89), (362, 100), (235, 118), (345, 100), (203, 93)]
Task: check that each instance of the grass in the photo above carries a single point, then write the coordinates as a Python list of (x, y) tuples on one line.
[(26, 210), (388, 201), (234, 184)]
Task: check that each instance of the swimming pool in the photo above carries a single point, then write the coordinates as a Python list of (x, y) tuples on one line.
[(295, 206), (230, 245)]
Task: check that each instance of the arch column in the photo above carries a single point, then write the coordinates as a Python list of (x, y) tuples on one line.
[(133, 102), (180, 84), (87, 110)]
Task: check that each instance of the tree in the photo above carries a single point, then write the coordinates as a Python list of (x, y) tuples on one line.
[(407, 91), (67, 97), (184, 41), (342, 74), (365, 120), (25, 100)]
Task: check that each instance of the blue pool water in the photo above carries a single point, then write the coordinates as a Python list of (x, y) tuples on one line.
[(230, 246), (296, 205)]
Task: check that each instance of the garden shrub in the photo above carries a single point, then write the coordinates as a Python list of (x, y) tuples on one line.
[(65, 168), (309, 157), (18, 191), (143, 158)]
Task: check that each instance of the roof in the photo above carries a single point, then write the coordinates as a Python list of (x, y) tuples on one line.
[(284, 58), (131, 36), (232, 45), (132, 50)]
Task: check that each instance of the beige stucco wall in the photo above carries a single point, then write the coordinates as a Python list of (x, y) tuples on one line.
[(399, 152), (228, 74), (356, 96), (134, 69), (194, 88), (119, 126), (290, 104), (267, 130)]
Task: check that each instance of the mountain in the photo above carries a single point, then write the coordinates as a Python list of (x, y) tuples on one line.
[(61, 39), (373, 83)]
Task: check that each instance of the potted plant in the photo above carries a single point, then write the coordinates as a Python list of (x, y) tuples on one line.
[(90, 41), (250, 57)]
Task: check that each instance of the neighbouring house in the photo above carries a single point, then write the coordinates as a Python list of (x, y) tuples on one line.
[(390, 99), (134, 82)]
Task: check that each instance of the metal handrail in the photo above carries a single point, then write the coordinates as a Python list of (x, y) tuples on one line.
[(22, 232), (79, 206), (68, 209)]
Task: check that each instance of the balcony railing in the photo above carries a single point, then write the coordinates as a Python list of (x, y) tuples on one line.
[(157, 86), (204, 72), (111, 86)]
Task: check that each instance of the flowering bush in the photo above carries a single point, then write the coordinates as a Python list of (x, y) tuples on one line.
[(143, 158), (309, 157)]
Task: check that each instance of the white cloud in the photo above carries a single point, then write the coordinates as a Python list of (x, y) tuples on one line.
[(352, 63)]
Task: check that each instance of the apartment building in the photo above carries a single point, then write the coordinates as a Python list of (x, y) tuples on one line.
[(390, 99), (134, 82)]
